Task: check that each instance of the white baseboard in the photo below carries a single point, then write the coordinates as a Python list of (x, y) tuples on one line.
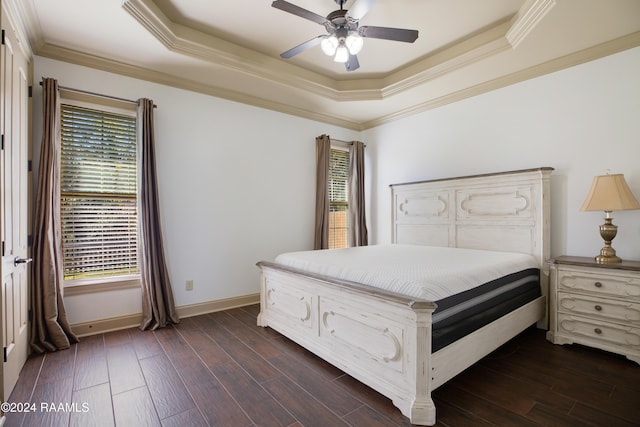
[(133, 320), (217, 305)]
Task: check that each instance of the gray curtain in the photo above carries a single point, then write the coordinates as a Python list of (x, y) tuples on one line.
[(357, 220), (158, 307), (323, 151), (50, 330)]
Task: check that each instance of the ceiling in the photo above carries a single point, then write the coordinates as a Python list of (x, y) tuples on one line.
[(231, 48)]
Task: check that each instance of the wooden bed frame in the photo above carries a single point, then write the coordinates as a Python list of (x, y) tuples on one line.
[(384, 340)]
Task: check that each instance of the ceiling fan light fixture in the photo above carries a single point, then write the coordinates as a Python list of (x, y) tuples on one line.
[(345, 37), (354, 42), (329, 45), (342, 54)]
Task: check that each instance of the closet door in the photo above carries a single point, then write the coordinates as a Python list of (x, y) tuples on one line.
[(14, 216)]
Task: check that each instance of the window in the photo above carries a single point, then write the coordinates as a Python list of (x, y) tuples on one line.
[(98, 201), (338, 198)]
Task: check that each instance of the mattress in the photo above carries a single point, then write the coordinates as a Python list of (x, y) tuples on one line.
[(471, 287), (463, 313), (424, 272)]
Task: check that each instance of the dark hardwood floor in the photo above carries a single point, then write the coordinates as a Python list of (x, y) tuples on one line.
[(222, 370)]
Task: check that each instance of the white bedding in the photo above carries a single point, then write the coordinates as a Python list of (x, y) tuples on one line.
[(423, 272)]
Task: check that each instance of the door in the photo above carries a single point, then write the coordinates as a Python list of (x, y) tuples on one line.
[(14, 176)]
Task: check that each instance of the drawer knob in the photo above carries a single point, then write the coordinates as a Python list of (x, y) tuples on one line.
[(597, 331), (598, 308), (598, 284)]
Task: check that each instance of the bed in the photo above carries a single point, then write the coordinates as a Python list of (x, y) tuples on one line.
[(391, 340)]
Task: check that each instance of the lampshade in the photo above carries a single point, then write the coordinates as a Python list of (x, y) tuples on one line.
[(329, 45), (610, 193), (342, 54), (342, 45), (354, 42)]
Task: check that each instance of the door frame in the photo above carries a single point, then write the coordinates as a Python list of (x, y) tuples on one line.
[(14, 36)]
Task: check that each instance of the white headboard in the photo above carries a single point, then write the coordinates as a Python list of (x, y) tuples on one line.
[(506, 211)]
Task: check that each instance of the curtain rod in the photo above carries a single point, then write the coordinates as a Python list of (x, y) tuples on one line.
[(70, 89), (343, 142)]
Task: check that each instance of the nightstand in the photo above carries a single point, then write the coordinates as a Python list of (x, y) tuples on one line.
[(597, 305)]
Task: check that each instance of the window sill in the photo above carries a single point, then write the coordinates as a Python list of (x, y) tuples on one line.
[(86, 287)]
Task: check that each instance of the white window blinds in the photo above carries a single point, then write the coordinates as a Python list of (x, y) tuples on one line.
[(338, 201), (98, 193)]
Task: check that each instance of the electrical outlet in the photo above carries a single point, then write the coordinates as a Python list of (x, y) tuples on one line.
[(189, 285)]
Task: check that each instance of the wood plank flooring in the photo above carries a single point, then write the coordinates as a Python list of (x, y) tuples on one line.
[(221, 369)]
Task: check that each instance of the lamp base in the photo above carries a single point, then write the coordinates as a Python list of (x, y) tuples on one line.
[(607, 254), (607, 259)]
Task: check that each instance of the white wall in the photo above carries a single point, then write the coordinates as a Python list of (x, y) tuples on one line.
[(235, 186), (581, 121), (236, 182)]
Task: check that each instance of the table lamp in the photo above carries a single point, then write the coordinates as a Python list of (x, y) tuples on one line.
[(609, 193)]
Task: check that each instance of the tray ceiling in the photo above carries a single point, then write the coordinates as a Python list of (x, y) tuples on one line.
[(231, 49)]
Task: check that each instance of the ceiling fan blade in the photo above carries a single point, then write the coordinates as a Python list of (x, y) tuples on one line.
[(360, 8), (352, 64), (397, 34), (297, 10), (302, 47)]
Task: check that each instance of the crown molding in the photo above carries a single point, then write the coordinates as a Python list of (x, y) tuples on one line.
[(498, 38), (181, 39), (141, 73), (620, 44), (187, 41), (462, 54), (614, 46), (527, 18), (13, 12)]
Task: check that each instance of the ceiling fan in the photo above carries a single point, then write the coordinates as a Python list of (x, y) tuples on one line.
[(344, 38)]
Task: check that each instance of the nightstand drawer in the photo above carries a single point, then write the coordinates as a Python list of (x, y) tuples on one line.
[(601, 283), (602, 308), (599, 334)]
